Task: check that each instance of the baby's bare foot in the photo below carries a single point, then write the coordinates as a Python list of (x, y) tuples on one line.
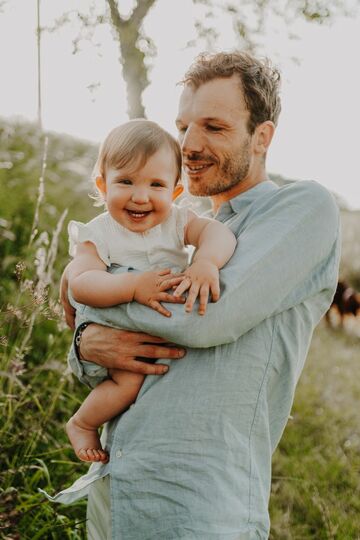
[(86, 442)]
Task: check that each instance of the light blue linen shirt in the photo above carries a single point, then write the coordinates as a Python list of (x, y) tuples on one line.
[(191, 459)]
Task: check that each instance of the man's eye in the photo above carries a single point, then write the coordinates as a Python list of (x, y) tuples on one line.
[(181, 129), (210, 127)]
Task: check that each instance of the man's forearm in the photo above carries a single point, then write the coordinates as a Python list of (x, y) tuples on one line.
[(120, 349)]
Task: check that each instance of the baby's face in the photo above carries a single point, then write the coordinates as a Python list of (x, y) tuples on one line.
[(142, 199)]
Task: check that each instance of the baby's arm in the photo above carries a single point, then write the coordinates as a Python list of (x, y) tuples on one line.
[(215, 245), (92, 285)]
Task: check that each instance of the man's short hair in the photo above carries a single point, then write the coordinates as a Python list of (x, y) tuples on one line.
[(260, 81)]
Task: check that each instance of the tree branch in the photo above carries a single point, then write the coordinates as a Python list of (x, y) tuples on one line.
[(141, 11), (116, 19)]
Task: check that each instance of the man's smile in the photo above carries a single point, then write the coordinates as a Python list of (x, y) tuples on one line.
[(194, 168)]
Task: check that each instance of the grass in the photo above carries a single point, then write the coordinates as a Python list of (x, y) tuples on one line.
[(37, 185), (315, 490)]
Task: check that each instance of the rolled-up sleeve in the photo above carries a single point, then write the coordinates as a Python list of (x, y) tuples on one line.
[(286, 252)]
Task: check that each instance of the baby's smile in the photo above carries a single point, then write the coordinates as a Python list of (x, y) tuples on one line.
[(136, 214)]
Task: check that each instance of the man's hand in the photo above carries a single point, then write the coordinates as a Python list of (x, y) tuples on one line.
[(69, 311), (151, 289), (120, 349)]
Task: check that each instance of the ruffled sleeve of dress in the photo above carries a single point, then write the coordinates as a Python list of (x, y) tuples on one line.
[(94, 232), (181, 219)]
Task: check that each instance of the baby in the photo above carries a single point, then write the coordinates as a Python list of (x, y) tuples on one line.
[(137, 175)]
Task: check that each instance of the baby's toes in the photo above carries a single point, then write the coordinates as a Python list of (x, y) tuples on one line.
[(95, 455), (104, 457), (83, 454)]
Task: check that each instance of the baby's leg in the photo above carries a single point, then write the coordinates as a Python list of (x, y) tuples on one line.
[(107, 400)]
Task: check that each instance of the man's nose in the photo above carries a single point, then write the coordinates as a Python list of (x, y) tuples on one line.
[(140, 195), (192, 140)]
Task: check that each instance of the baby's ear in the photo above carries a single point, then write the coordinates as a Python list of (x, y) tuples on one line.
[(101, 184), (178, 189)]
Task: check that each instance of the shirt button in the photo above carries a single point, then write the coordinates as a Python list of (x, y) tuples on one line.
[(118, 453)]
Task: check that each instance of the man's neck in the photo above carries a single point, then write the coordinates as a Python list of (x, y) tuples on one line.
[(241, 187)]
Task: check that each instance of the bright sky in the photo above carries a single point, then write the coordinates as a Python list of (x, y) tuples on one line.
[(318, 134)]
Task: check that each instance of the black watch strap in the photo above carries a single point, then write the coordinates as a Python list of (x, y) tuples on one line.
[(78, 335)]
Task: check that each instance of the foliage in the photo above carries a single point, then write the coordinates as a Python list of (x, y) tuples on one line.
[(36, 393), (249, 19), (315, 491)]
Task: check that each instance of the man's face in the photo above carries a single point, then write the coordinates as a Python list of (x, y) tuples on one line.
[(216, 145)]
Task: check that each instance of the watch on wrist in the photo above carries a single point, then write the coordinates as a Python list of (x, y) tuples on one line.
[(78, 335)]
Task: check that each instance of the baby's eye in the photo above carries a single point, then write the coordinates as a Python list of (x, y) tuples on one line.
[(156, 184), (124, 181)]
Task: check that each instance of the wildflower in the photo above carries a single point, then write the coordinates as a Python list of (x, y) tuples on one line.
[(4, 341), (55, 309), (27, 285), (16, 312), (17, 366), (43, 239), (19, 269), (40, 262), (40, 296)]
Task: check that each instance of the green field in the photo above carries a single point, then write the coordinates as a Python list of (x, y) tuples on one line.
[(315, 492)]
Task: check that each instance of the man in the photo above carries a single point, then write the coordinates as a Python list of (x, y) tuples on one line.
[(191, 459)]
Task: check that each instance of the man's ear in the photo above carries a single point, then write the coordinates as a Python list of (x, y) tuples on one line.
[(101, 185), (178, 189), (263, 136)]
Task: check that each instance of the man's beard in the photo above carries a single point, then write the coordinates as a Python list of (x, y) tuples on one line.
[(232, 172)]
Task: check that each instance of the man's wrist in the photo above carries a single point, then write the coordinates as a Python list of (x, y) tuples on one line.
[(77, 339)]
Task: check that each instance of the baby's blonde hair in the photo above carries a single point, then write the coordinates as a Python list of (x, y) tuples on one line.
[(131, 145)]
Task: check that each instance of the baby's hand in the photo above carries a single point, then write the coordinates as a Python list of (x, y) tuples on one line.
[(200, 278), (151, 287)]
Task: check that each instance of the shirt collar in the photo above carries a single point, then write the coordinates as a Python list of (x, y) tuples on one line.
[(241, 202)]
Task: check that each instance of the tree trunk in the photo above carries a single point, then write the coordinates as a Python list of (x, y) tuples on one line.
[(135, 72)]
